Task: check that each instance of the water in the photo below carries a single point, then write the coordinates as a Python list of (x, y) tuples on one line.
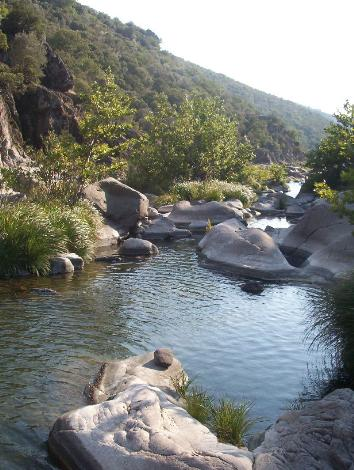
[(234, 343)]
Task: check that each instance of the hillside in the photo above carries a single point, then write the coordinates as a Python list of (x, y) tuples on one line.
[(89, 42)]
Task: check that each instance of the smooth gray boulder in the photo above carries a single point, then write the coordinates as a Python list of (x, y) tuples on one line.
[(61, 265), (251, 252), (138, 247), (118, 202), (141, 428), (334, 260), (184, 213), (75, 260), (294, 210), (320, 436), (163, 229), (317, 229), (153, 213), (163, 357)]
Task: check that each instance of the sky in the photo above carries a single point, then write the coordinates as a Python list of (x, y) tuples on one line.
[(301, 50)]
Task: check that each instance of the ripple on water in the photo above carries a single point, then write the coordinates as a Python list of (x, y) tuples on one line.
[(234, 343)]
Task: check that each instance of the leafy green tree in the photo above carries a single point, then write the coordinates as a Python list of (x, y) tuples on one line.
[(24, 17), (27, 55), (11, 79), (63, 167), (195, 141), (335, 153)]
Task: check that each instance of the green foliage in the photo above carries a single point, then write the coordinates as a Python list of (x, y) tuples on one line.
[(63, 167), (212, 190), (231, 422), (27, 56), (193, 141), (3, 42), (23, 17), (27, 239), (31, 234), (198, 404), (335, 153), (260, 176), (9, 78)]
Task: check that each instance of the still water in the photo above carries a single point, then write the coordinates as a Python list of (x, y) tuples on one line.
[(233, 343)]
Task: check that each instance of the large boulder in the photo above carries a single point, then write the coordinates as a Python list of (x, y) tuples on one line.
[(118, 202), (141, 428), (319, 436), (333, 260), (317, 229), (184, 213), (250, 252)]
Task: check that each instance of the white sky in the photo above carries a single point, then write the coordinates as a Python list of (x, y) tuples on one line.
[(302, 50)]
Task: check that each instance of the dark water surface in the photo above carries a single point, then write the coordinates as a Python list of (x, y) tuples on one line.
[(234, 343)]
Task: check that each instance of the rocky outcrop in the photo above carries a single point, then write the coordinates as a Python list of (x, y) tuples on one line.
[(42, 110), (56, 75), (141, 428), (320, 436), (250, 252), (118, 202), (184, 213), (11, 142)]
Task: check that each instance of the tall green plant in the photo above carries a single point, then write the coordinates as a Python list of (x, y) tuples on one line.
[(195, 140)]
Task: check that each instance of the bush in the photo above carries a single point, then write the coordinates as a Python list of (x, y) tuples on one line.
[(260, 176), (27, 239), (212, 190), (31, 234), (230, 421)]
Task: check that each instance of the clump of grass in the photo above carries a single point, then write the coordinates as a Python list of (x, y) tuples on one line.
[(231, 422), (209, 226), (28, 239), (198, 404), (31, 234)]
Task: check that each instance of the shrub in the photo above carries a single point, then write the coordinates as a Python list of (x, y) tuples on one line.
[(31, 234), (230, 421), (213, 190), (27, 239), (260, 176)]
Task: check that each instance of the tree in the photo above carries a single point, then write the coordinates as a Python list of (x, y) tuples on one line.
[(335, 153), (27, 55), (64, 167), (195, 141), (24, 17)]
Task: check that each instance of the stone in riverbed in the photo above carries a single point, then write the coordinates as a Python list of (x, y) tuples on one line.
[(118, 202), (76, 261), (184, 213), (61, 265), (153, 213), (165, 209), (163, 357), (138, 247), (252, 287), (250, 252), (108, 235), (43, 291)]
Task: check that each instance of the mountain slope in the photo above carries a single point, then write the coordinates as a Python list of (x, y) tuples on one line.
[(89, 42)]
